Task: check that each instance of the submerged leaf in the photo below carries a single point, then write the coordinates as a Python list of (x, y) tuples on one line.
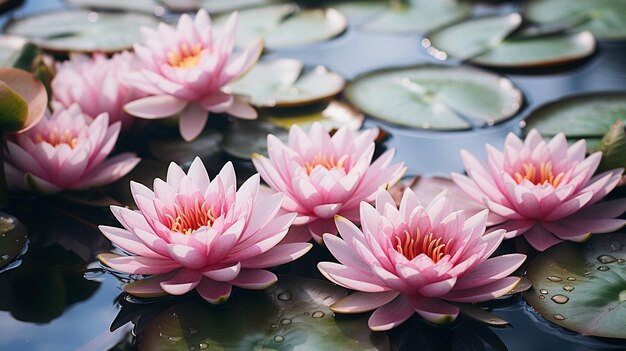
[(582, 287)]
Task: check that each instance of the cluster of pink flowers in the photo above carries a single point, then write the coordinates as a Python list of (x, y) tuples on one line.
[(191, 232)]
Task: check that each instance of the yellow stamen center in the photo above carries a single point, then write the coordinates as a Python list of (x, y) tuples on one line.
[(539, 175), (326, 162), (185, 56), (55, 137), (411, 246), (189, 219)]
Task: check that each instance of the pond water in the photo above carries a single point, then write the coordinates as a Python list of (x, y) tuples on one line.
[(57, 299)]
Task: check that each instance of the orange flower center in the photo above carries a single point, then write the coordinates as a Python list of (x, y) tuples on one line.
[(185, 57), (326, 162), (55, 137), (539, 175), (411, 246), (188, 219)]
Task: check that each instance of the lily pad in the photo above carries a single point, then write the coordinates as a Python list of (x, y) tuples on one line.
[(207, 146), (82, 31), (418, 16), (145, 6), (582, 287), (10, 49), (13, 239), (243, 138), (606, 19), (291, 315), (286, 25), (580, 116), (357, 9), (286, 82), (23, 100), (435, 97), (488, 41), (216, 6), (612, 147)]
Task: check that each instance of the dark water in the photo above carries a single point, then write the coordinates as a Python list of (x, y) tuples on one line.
[(48, 304)]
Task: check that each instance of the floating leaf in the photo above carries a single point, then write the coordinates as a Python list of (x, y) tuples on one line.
[(358, 9), (10, 49), (587, 116), (13, 239), (146, 6), (207, 146), (582, 287), (435, 97), (243, 138), (82, 31), (613, 147), (418, 16), (487, 41), (216, 6), (291, 315), (23, 100), (481, 315), (285, 82), (606, 19), (286, 25)]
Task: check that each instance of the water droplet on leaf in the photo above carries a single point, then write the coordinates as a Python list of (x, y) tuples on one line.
[(554, 278), (279, 338), (607, 259), (603, 268), (285, 321), (559, 317), (568, 288), (560, 299), (284, 296), (543, 291), (318, 314), (571, 279)]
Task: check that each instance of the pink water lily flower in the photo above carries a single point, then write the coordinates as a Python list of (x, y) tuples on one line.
[(323, 176), (195, 233), (97, 85), (544, 190), (416, 259), (66, 150), (185, 70)]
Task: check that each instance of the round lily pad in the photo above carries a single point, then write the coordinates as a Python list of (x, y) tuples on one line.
[(10, 49), (606, 19), (82, 31), (244, 138), (582, 287), (13, 239), (291, 315), (286, 25), (206, 146), (418, 16), (145, 6), (580, 116), (435, 97), (488, 41), (286, 82), (216, 6)]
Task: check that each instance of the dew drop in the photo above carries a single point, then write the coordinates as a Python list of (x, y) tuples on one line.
[(4, 257), (174, 315), (559, 317), (603, 268), (274, 326), (620, 261), (571, 279), (560, 299), (554, 278), (568, 288), (622, 296), (542, 296), (279, 338), (589, 265), (285, 321), (284, 296), (318, 314), (607, 259), (543, 291), (203, 346), (175, 339)]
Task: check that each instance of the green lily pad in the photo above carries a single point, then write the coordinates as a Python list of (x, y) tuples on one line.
[(418, 16), (244, 138), (291, 315), (145, 6), (13, 239), (82, 31), (216, 6), (581, 116), (612, 147), (23, 100), (582, 287), (435, 97), (207, 146), (286, 25), (606, 19), (286, 82), (488, 41), (472, 37), (10, 49), (356, 9)]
